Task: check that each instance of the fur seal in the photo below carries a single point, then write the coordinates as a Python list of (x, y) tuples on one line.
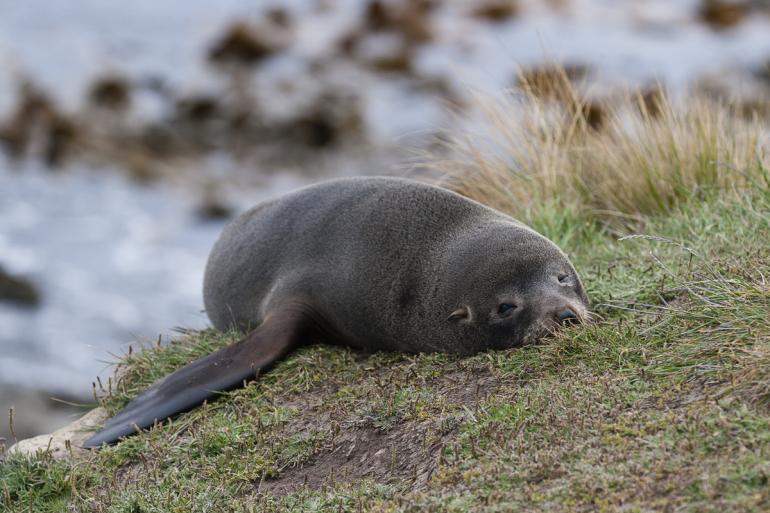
[(373, 263)]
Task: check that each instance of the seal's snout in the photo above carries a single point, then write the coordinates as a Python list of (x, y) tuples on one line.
[(567, 317)]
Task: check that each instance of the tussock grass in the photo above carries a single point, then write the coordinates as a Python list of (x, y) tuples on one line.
[(662, 404), (643, 155)]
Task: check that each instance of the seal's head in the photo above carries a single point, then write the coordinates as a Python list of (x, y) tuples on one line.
[(509, 286)]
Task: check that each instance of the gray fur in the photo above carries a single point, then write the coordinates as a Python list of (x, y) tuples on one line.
[(385, 262), (375, 263)]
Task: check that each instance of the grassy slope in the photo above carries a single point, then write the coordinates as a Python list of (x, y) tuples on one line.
[(662, 404)]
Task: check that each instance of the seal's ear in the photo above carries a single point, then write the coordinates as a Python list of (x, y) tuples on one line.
[(462, 313)]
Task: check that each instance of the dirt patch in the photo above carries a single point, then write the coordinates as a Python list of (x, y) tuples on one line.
[(407, 454), (465, 388)]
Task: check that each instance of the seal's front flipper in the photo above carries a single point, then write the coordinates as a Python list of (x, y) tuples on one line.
[(225, 369)]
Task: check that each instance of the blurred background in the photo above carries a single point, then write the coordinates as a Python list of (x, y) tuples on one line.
[(130, 132)]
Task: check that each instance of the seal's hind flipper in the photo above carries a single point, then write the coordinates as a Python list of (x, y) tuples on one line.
[(223, 370)]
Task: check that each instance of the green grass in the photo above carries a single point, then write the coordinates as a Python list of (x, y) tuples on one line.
[(662, 403)]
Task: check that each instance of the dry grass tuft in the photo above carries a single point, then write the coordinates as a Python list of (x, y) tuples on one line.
[(533, 150)]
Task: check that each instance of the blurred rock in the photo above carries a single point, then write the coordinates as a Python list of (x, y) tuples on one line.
[(410, 19), (213, 209), (33, 110), (496, 10), (37, 128), (246, 45), (111, 92), (552, 81), (160, 140), (62, 137), (651, 101), (66, 441), (198, 109), (199, 123), (594, 113), (399, 61), (348, 43), (378, 16), (18, 290), (333, 118), (316, 130), (386, 52), (279, 17), (723, 14)]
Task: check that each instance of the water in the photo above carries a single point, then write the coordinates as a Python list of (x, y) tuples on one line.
[(115, 261)]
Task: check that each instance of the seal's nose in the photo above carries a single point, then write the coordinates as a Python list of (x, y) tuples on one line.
[(567, 316)]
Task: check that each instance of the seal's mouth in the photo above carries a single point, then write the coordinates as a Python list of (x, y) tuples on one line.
[(549, 328)]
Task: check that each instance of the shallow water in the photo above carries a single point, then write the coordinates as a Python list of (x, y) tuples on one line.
[(115, 262)]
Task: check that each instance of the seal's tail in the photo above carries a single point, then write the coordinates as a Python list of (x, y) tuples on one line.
[(225, 369)]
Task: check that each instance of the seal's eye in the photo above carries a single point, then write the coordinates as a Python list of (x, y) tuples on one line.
[(505, 308), (562, 278)]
